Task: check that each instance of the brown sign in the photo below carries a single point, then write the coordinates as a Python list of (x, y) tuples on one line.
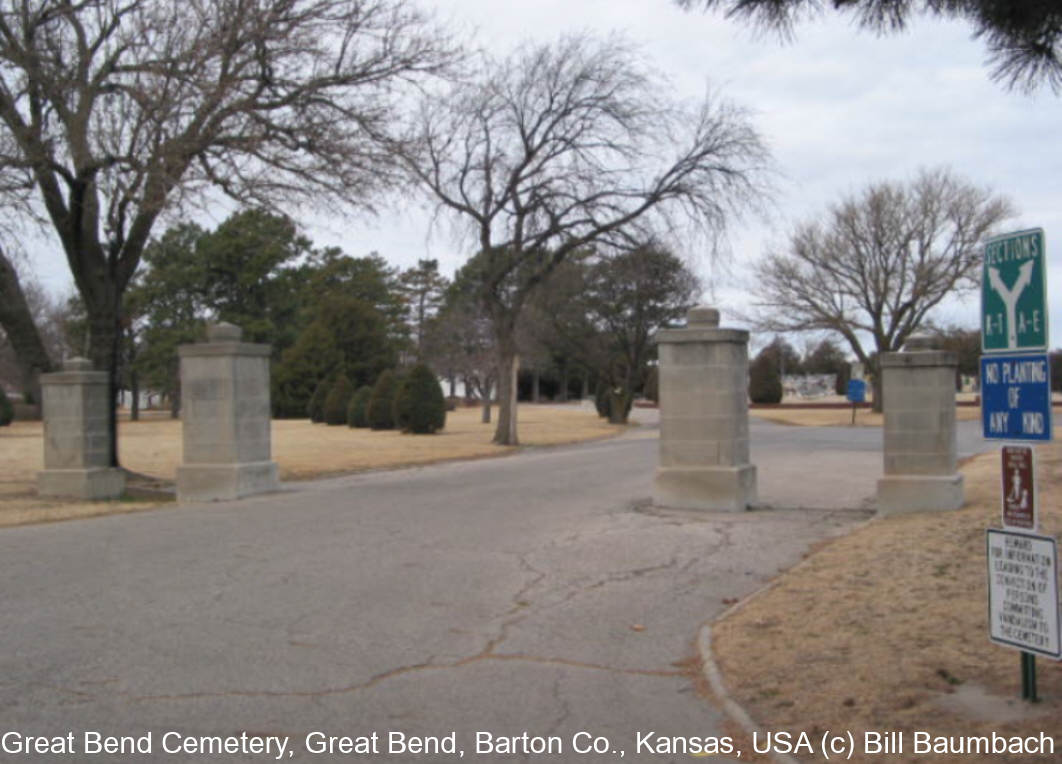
[(1019, 491)]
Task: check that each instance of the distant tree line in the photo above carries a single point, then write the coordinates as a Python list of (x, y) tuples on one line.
[(330, 317)]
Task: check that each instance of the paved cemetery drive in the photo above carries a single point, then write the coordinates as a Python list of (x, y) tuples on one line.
[(533, 593)]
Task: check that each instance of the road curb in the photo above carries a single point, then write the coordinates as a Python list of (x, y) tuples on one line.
[(710, 668), (732, 708)]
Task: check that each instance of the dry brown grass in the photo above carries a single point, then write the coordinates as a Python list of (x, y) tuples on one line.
[(152, 447), (843, 417), (879, 629)]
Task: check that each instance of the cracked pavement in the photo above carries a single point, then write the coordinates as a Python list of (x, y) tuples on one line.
[(534, 593)]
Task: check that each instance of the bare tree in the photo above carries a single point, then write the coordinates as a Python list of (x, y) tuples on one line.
[(120, 109), (562, 145), (1024, 37), (881, 261)]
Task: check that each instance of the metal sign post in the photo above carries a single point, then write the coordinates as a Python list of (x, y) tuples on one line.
[(1023, 602)]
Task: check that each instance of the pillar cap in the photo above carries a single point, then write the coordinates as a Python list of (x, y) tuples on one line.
[(920, 341), (77, 363), (223, 332), (702, 316)]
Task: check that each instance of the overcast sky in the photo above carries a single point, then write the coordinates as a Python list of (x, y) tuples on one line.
[(838, 107)]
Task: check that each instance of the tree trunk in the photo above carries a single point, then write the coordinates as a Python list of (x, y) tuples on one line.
[(585, 392), (619, 408), (535, 391), (485, 388), (563, 398), (104, 348), (453, 386), (175, 400), (17, 323), (878, 404), (508, 366), (134, 390)]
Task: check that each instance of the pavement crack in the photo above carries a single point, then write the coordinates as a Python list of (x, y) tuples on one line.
[(424, 667), (628, 575)]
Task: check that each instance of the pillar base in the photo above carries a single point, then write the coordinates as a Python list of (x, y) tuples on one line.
[(92, 484), (898, 494), (713, 489), (221, 482)]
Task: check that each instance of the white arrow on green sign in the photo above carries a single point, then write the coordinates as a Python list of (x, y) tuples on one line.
[(1013, 293)]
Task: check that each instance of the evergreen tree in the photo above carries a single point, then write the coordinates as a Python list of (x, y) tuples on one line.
[(315, 408), (424, 291), (357, 411), (765, 381), (312, 358), (419, 404), (380, 411), (338, 400)]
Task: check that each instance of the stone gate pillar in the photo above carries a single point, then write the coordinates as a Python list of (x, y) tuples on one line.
[(77, 434), (225, 418), (704, 417), (918, 387)]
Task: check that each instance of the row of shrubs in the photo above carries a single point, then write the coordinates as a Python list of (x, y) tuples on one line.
[(412, 403)]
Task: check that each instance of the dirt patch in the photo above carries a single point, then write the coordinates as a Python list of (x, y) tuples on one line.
[(151, 448), (887, 629)]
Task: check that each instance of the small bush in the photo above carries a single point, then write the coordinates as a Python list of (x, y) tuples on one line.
[(335, 407), (7, 411), (765, 383), (380, 411), (357, 411), (419, 404), (315, 409)]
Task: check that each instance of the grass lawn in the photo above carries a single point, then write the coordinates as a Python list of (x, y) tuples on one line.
[(152, 448), (887, 629)]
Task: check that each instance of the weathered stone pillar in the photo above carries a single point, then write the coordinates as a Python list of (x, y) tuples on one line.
[(704, 417), (920, 453), (225, 418), (77, 434)]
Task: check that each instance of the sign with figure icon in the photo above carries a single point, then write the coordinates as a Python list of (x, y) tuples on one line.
[(1013, 292), (1019, 488)]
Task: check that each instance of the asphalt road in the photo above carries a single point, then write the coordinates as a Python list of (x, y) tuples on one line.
[(538, 593)]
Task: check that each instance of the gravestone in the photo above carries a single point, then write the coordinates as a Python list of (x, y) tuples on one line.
[(704, 419), (225, 417)]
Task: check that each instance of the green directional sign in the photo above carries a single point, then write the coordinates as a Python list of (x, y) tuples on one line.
[(1013, 293)]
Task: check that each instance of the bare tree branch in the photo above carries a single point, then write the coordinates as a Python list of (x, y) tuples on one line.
[(881, 262), (563, 146)]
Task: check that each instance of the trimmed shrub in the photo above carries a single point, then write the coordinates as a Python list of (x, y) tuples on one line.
[(335, 406), (315, 409), (419, 404), (7, 411), (765, 383), (357, 411), (380, 411)]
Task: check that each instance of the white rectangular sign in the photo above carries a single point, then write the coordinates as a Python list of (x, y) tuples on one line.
[(1023, 592)]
